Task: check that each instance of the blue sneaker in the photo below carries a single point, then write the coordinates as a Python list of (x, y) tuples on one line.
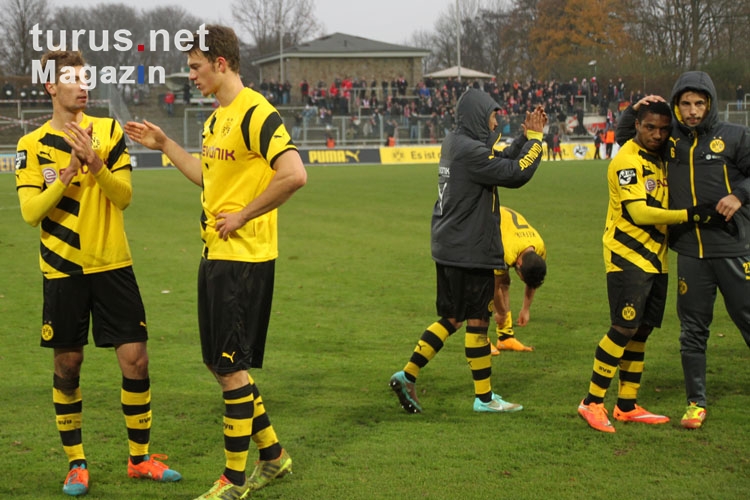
[(497, 405), (77, 481), (406, 392)]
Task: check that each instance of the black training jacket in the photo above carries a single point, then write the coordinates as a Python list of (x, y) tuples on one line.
[(705, 164), (465, 219)]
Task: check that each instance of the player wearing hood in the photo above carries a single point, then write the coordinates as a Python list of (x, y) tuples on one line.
[(466, 244), (708, 162)]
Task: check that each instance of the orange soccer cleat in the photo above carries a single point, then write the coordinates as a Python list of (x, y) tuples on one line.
[(596, 416), (639, 414)]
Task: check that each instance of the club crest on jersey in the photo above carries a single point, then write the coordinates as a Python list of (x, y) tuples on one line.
[(96, 144), (49, 174), (20, 159), (226, 127), (47, 332), (627, 177), (717, 145), (628, 312)]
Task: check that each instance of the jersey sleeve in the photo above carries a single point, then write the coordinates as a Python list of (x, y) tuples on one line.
[(628, 180), (487, 168), (118, 157), (642, 214), (35, 199), (267, 133), (114, 179)]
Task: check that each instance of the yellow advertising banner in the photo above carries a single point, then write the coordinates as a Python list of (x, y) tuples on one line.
[(7, 163), (431, 154), (417, 154), (580, 151)]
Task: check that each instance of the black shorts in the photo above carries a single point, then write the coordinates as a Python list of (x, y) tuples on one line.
[(464, 293), (111, 299), (234, 307), (636, 298)]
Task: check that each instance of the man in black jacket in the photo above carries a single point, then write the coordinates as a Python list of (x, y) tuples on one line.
[(708, 162), (466, 244)]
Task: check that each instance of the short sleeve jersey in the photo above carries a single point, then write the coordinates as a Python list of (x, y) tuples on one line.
[(635, 174), (85, 232), (240, 143), (518, 235)]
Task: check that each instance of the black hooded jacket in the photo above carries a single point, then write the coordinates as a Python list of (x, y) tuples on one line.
[(466, 219), (705, 163)]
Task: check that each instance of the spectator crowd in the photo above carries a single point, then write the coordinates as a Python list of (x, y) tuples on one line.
[(426, 109)]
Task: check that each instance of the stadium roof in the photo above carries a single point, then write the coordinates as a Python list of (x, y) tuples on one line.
[(453, 72), (344, 46)]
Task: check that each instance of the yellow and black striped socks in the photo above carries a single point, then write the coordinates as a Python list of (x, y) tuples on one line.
[(66, 395), (238, 423), (505, 331), (631, 371), (263, 433), (430, 343), (479, 357), (135, 397), (606, 360)]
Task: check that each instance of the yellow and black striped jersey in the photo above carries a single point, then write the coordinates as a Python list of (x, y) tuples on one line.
[(635, 174), (240, 143), (518, 235), (82, 227)]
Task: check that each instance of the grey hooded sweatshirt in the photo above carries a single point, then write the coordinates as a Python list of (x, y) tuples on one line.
[(465, 219)]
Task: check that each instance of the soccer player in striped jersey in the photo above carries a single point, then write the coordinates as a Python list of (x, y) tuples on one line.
[(526, 253), (709, 162), (248, 168), (635, 256), (73, 178)]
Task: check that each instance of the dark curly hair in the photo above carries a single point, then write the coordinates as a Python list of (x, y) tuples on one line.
[(533, 269)]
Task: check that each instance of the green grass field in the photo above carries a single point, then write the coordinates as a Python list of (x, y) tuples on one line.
[(355, 289)]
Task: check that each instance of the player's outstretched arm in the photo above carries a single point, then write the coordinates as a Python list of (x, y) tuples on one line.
[(152, 137), (643, 215)]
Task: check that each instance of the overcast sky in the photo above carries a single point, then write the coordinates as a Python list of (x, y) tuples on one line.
[(391, 21)]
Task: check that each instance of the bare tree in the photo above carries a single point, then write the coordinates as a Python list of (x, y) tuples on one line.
[(266, 22), (425, 40), (444, 45), (18, 18), (489, 41), (155, 29), (447, 28), (98, 41), (170, 20), (514, 52), (692, 33)]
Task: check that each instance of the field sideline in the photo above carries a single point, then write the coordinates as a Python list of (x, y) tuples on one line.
[(354, 290)]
